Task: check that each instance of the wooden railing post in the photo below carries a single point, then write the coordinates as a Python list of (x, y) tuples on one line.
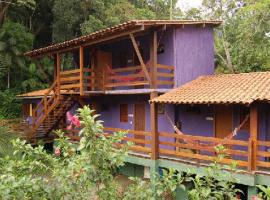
[(81, 71), (153, 59), (254, 130), (58, 66), (154, 128), (250, 151)]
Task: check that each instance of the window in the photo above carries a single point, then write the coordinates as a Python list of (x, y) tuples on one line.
[(243, 112), (123, 112)]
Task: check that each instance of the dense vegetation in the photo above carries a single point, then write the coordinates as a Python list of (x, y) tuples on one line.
[(242, 42)]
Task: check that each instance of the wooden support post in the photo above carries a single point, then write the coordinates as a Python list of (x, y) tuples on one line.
[(93, 74), (154, 128), (153, 58), (81, 70), (136, 48), (55, 67), (254, 130), (58, 66)]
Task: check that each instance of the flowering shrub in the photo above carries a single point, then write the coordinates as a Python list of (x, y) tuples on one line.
[(74, 171)]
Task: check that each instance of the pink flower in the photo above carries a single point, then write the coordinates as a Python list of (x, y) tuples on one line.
[(74, 121), (57, 151)]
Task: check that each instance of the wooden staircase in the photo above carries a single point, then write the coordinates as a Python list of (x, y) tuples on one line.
[(49, 112)]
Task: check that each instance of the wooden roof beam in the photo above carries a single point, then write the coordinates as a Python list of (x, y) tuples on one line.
[(136, 48)]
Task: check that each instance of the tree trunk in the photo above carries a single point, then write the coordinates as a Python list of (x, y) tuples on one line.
[(8, 79), (3, 9)]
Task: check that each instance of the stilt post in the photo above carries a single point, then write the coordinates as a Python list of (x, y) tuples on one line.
[(254, 131)]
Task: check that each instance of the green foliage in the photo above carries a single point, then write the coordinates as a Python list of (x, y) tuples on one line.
[(158, 188), (14, 40), (80, 171), (10, 107), (265, 192), (6, 136), (218, 183)]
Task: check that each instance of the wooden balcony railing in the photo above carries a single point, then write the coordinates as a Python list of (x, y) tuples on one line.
[(262, 149), (200, 151), (72, 81), (128, 76), (141, 139)]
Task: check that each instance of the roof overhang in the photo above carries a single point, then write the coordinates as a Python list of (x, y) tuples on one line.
[(112, 33)]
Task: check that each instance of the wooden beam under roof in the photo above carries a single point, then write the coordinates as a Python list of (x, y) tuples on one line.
[(136, 48)]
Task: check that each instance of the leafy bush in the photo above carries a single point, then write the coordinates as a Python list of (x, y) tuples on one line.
[(218, 183), (6, 136), (74, 172), (265, 192), (10, 107)]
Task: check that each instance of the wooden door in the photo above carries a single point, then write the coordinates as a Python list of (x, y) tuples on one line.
[(103, 60), (139, 120), (223, 121)]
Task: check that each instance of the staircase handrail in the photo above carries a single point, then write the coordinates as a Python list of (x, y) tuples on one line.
[(44, 101)]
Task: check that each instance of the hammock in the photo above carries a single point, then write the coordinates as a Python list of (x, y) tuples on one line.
[(207, 146), (126, 79)]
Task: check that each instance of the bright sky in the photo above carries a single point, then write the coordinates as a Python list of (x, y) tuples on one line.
[(184, 4)]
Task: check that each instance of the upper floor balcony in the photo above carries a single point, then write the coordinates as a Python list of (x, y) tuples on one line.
[(115, 80)]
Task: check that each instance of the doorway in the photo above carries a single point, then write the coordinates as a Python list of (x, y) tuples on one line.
[(223, 121), (139, 120)]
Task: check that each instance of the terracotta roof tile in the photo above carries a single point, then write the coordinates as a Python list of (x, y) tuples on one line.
[(243, 88), (37, 93)]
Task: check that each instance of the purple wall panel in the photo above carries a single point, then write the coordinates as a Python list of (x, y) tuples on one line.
[(197, 121), (194, 53)]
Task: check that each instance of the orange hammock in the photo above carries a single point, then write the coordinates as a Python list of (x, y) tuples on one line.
[(207, 146)]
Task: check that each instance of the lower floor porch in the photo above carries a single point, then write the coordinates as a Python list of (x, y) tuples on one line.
[(174, 151)]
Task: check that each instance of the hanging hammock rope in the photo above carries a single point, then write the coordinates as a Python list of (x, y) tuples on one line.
[(204, 146)]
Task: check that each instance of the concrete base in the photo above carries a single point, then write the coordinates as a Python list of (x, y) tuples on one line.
[(252, 191)]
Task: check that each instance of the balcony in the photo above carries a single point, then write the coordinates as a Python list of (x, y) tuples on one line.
[(108, 79)]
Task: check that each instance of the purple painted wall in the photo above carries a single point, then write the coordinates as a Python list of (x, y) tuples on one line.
[(196, 120), (199, 120), (193, 53), (111, 116)]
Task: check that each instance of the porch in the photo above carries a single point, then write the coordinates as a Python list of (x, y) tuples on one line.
[(201, 152)]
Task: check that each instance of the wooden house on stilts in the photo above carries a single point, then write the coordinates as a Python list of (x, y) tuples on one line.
[(154, 79)]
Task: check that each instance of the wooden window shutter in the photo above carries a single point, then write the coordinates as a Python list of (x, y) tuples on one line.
[(123, 112)]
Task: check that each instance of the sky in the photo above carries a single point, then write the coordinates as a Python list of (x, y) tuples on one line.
[(184, 4)]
